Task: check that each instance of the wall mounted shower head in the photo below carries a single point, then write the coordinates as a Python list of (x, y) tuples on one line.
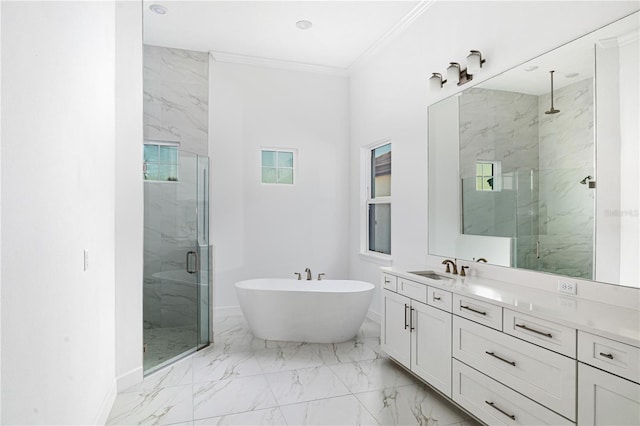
[(586, 179)]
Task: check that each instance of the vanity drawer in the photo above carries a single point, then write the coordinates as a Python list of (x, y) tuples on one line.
[(475, 310), (440, 299), (496, 404), (390, 282), (547, 334), (540, 374), (618, 358), (413, 290)]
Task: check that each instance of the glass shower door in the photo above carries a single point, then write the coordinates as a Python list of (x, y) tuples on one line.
[(176, 270)]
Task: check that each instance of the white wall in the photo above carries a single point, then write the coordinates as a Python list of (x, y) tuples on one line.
[(58, 175), (390, 95), (276, 230), (128, 194)]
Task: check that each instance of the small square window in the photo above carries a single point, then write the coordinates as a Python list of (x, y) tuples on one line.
[(488, 176), (278, 166), (160, 161)]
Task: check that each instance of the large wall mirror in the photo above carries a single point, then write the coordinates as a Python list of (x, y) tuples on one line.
[(547, 180)]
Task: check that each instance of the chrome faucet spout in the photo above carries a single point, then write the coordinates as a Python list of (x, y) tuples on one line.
[(308, 271)]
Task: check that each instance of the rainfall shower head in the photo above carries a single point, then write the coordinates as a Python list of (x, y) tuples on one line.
[(552, 110)]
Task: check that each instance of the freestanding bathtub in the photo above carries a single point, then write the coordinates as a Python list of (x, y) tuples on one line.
[(326, 311)]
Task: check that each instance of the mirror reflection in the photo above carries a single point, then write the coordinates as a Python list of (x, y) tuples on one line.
[(541, 175)]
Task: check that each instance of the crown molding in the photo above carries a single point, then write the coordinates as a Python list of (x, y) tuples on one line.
[(398, 28), (235, 58)]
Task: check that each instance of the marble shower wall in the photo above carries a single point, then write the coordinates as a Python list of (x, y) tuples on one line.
[(176, 93), (566, 155), (543, 159), (500, 126)]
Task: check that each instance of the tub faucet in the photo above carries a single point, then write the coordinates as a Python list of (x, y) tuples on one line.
[(320, 276), (308, 271), (453, 266)]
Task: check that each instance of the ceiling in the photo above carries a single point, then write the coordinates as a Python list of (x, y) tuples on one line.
[(343, 32)]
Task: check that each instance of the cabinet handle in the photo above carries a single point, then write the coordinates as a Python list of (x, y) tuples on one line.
[(606, 355), (405, 316), (500, 358), (511, 416), (411, 327), (436, 297), (386, 281), (535, 331), (473, 310)]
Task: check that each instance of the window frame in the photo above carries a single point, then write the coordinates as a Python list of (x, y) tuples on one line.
[(294, 168), (367, 199), (172, 144)]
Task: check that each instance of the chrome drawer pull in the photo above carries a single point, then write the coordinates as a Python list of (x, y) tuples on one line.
[(405, 316), (535, 331), (606, 355), (473, 310), (511, 416), (500, 358)]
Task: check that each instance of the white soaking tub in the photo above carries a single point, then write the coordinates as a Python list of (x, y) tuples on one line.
[(326, 311)]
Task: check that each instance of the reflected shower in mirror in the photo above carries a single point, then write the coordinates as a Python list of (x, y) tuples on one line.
[(515, 157)]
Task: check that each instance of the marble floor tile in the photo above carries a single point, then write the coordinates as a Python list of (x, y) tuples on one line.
[(410, 405), (231, 396), (362, 376), (302, 355), (269, 416), (179, 373), (155, 407), (227, 326), (209, 367), (342, 410), (303, 385), (352, 350)]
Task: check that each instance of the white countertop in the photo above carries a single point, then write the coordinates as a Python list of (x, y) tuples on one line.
[(606, 320)]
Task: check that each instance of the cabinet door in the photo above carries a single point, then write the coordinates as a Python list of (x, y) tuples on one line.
[(605, 399), (431, 345), (395, 336)]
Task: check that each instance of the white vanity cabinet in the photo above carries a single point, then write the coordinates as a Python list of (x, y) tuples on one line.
[(417, 335), (610, 393)]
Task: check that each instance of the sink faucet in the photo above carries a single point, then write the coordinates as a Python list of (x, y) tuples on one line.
[(453, 266), (308, 271)]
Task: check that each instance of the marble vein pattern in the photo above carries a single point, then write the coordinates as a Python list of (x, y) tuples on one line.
[(243, 380)]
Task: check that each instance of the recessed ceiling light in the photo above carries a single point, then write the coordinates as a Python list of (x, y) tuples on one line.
[(531, 68), (159, 9), (572, 74), (304, 24)]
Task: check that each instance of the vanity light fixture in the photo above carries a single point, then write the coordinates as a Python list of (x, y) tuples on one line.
[(436, 81), (474, 61), (158, 8), (456, 74)]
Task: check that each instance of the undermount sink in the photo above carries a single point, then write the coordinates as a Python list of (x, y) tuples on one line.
[(429, 274)]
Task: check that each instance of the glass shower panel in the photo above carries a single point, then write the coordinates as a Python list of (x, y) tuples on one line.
[(204, 253), (174, 262)]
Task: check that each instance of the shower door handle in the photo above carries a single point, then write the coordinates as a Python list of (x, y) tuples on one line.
[(192, 255)]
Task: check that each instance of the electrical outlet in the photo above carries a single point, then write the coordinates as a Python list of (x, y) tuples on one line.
[(569, 287)]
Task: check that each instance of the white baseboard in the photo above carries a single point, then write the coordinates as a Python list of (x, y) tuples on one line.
[(129, 379), (374, 316), (226, 311), (107, 404)]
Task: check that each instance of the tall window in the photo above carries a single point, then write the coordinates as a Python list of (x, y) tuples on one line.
[(379, 201), (277, 166)]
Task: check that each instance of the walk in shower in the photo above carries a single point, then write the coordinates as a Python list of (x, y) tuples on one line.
[(176, 253)]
